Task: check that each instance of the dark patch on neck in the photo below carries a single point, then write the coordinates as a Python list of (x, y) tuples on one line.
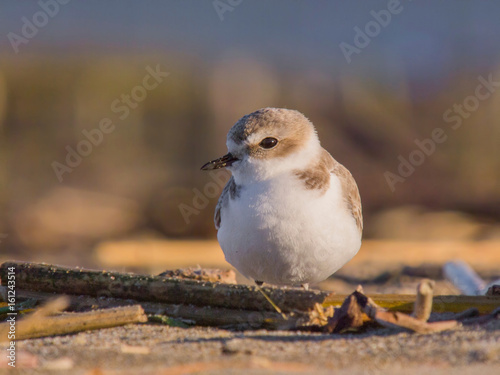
[(317, 177), (314, 179)]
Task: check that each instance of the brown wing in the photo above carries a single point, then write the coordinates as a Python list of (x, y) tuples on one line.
[(349, 189)]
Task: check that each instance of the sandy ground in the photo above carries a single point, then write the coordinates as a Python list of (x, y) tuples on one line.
[(158, 349)]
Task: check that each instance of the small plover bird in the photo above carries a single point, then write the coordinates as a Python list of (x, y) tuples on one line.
[(290, 213)]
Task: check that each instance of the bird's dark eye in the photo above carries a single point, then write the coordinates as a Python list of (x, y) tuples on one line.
[(268, 142)]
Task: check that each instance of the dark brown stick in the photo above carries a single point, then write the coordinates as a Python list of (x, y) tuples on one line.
[(62, 280)]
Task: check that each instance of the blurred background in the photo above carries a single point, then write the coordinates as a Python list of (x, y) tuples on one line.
[(108, 110)]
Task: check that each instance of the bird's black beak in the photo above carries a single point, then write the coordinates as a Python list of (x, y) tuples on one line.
[(222, 162)]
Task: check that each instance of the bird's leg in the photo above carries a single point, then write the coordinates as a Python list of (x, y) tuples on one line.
[(258, 285), (305, 286)]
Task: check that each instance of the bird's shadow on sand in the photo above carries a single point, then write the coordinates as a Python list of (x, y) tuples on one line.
[(295, 337)]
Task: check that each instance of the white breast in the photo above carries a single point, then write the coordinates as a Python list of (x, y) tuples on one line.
[(278, 232)]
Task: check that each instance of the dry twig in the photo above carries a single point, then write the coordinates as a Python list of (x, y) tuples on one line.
[(350, 316), (42, 322)]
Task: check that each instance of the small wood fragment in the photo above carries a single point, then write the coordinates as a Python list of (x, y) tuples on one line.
[(493, 290), (423, 302), (349, 315)]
